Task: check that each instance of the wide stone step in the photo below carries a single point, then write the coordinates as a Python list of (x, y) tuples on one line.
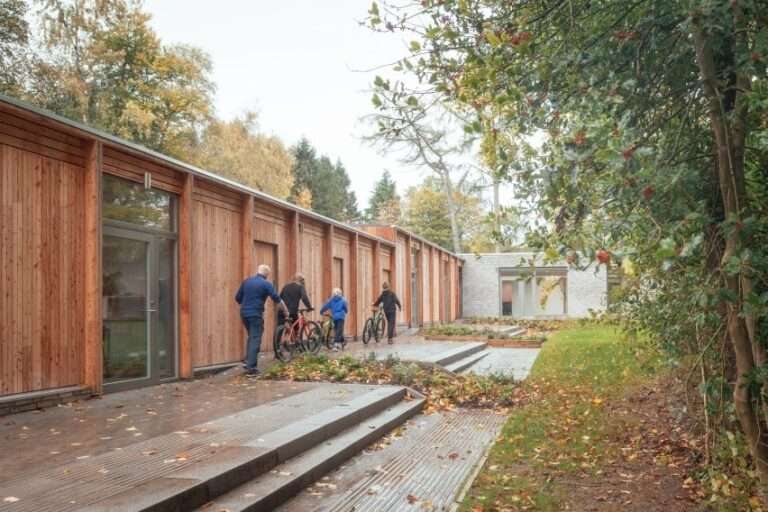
[(267, 492), (236, 464), (467, 362), (451, 356)]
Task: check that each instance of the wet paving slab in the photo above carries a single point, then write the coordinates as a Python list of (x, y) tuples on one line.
[(84, 429), (514, 362), (409, 349), (425, 465)]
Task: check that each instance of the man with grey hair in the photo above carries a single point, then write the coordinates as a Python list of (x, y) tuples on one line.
[(293, 294), (252, 296)]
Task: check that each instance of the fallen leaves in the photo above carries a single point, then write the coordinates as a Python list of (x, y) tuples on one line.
[(443, 391)]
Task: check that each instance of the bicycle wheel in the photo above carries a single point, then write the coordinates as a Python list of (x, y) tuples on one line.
[(328, 334), (311, 337), (283, 347), (367, 330), (381, 325)]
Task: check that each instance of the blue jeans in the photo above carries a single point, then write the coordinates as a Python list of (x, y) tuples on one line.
[(254, 325)]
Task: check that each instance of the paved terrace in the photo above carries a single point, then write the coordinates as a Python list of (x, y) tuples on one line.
[(135, 445)]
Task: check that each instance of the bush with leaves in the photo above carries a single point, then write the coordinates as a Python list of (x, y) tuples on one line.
[(655, 153)]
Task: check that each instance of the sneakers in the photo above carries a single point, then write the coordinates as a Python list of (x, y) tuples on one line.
[(391, 341), (335, 347), (253, 372)]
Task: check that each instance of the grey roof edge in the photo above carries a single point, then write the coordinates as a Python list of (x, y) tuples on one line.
[(415, 236), (196, 171)]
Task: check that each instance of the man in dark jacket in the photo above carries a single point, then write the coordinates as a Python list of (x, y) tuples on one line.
[(292, 295), (388, 300), (252, 296)]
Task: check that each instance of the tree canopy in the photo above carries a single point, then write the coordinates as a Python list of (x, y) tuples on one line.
[(425, 212), (322, 185), (236, 150), (653, 115)]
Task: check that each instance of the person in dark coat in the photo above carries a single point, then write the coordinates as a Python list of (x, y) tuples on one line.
[(389, 301), (294, 294), (252, 296)]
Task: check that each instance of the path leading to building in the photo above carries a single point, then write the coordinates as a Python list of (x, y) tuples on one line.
[(177, 447), (249, 444)]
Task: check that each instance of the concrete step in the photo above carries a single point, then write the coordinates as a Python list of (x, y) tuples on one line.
[(467, 362), (514, 331), (434, 460), (267, 492), (456, 354), (235, 464)]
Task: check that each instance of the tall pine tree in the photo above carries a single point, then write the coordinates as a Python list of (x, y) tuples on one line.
[(326, 183), (384, 205)]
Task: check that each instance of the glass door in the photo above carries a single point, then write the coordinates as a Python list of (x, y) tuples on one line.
[(139, 284), (127, 305), (138, 307)]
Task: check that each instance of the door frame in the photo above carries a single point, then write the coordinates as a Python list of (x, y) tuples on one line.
[(151, 237)]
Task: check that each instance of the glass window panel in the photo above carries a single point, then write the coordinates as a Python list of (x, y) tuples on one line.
[(166, 308), (124, 291), (127, 201), (507, 293)]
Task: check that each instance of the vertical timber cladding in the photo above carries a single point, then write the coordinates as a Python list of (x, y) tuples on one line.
[(271, 243), (424, 292), (437, 296), (402, 276), (217, 332), (312, 261), (42, 239), (341, 275), (365, 293), (385, 262)]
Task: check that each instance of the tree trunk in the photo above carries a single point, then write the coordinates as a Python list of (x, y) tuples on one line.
[(496, 215), (452, 210), (729, 130)]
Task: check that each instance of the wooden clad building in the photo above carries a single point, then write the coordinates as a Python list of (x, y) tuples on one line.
[(427, 277), (119, 265)]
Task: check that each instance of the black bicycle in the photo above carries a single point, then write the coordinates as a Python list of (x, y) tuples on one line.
[(375, 326)]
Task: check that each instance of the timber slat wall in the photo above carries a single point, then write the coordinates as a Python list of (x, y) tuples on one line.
[(41, 230), (50, 231), (438, 295), (217, 333)]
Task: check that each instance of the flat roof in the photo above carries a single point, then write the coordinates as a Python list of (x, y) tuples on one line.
[(414, 235), (197, 171)]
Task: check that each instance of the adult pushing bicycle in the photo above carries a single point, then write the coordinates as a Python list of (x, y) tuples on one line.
[(300, 336), (375, 326)]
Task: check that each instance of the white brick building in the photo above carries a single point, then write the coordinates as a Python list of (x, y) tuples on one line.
[(520, 285)]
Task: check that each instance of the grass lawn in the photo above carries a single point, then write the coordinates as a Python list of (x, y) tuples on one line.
[(566, 430)]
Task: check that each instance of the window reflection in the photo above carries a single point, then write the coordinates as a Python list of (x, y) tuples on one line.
[(130, 202)]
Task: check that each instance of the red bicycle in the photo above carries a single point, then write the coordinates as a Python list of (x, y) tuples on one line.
[(300, 336)]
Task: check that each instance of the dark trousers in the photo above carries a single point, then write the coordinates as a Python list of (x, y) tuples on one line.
[(338, 327), (281, 318), (254, 325), (391, 321)]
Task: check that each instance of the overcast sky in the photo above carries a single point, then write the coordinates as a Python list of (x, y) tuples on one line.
[(295, 62)]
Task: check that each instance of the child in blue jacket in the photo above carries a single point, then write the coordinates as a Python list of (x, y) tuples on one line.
[(337, 305)]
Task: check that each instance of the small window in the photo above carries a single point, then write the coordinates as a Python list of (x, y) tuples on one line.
[(507, 292), (126, 201)]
